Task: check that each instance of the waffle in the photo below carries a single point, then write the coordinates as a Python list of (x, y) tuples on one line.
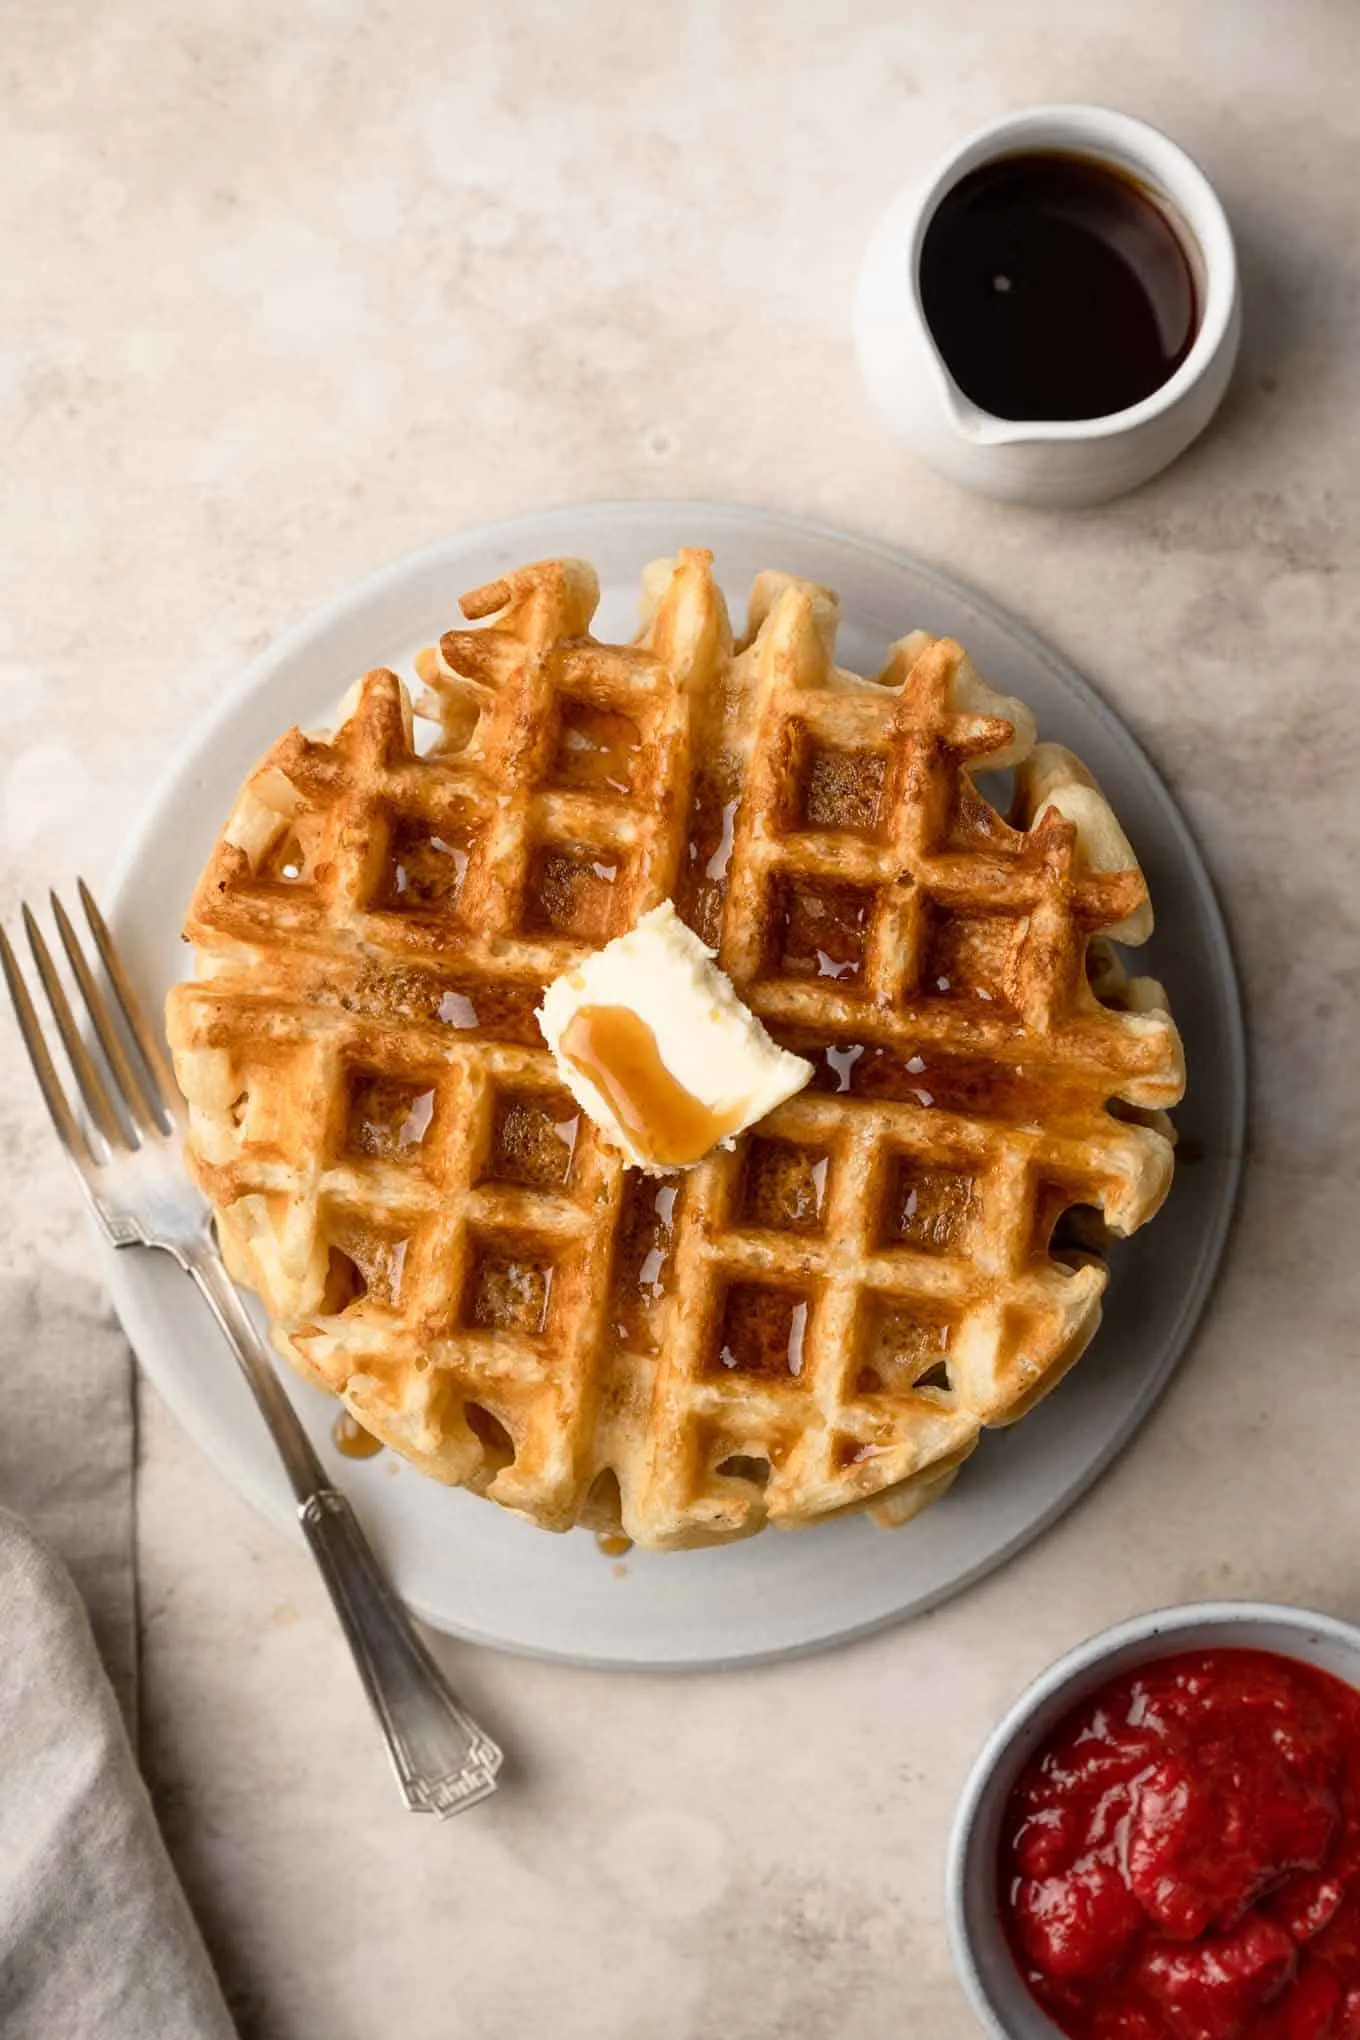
[(822, 1319)]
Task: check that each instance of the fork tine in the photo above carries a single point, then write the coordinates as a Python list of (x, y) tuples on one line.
[(87, 1076), (164, 1092), (44, 1069), (137, 1099)]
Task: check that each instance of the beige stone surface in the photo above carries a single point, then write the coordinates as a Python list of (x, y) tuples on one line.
[(288, 292)]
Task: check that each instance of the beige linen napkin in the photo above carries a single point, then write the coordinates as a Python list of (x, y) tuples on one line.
[(96, 1938), (67, 1447)]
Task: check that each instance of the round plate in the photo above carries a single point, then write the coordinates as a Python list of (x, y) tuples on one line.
[(469, 1567)]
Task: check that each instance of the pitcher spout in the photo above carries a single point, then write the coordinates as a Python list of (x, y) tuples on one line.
[(974, 424)]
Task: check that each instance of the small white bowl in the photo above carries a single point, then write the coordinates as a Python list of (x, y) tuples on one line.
[(1063, 461), (981, 1951)]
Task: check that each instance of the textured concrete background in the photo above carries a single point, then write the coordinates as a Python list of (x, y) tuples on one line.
[(289, 292)]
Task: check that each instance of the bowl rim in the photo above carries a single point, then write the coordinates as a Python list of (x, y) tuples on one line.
[(1062, 1681)]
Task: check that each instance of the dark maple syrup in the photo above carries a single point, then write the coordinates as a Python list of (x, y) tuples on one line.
[(597, 748), (1056, 287), (763, 1330), (351, 1439), (643, 1263)]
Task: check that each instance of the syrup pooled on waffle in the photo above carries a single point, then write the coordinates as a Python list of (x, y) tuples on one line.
[(820, 1318)]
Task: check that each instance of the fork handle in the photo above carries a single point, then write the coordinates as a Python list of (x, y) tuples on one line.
[(442, 1759)]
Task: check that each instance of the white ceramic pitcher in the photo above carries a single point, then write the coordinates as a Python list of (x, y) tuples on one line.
[(1060, 461)]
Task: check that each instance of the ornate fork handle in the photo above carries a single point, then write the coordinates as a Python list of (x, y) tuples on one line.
[(130, 1170), (443, 1761)]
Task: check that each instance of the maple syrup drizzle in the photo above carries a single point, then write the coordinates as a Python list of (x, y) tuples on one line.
[(784, 1186), (763, 1330), (351, 1439), (613, 1543), (425, 869), (824, 930), (979, 1086), (388, 1118), (708, 850), (642, 1275), (652, 1266), (716, 867), (840, 1063), (570, 890), (505, 1012), (617, 1052), (597, 749)]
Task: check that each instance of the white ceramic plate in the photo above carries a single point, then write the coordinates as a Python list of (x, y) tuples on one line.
[(467, 1566)]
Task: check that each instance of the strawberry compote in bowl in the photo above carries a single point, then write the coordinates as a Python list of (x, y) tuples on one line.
[(1161, 1841)]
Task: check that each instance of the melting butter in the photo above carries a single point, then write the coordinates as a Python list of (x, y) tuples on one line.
[(617, 1052)]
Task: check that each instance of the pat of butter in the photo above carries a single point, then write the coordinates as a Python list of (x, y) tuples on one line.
[(653, 1042)]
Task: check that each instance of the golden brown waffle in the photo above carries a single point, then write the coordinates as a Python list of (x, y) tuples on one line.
[(823, 1318)]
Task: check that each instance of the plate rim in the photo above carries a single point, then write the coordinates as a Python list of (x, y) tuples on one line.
[(354, 597)]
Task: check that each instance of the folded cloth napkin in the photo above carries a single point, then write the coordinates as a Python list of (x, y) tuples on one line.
[(67, 1446), (96, 1939)]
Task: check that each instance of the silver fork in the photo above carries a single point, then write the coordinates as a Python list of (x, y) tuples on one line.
[(129, 1164)]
